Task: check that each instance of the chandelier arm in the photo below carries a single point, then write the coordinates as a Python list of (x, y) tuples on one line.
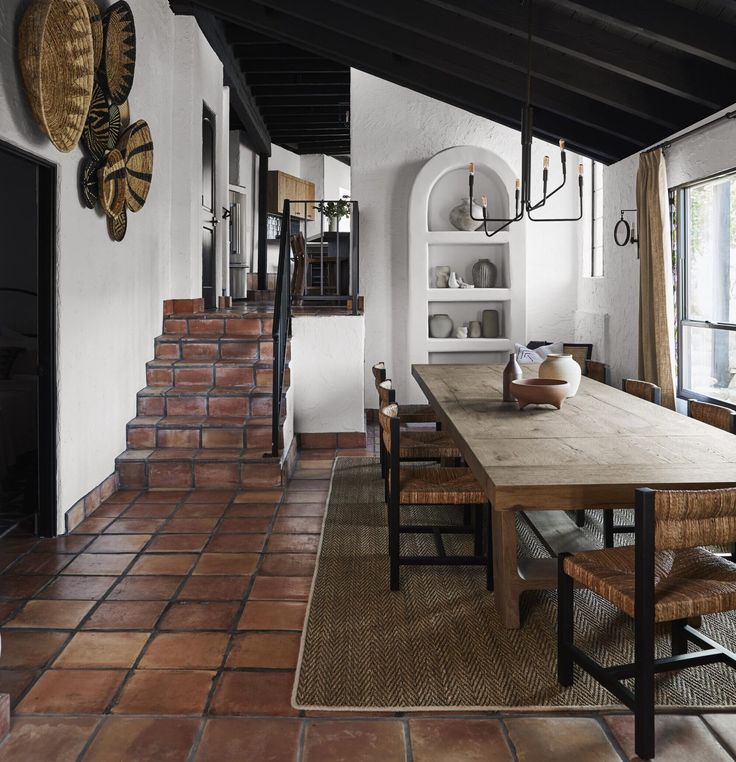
[(546, 198), (561, 219), (506, 224)]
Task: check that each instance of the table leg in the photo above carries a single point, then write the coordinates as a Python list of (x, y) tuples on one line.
[(505, 568)]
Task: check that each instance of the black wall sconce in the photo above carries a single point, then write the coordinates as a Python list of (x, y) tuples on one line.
[(624, 232)]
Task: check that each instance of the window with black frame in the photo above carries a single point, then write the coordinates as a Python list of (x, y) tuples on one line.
[(706, 245)]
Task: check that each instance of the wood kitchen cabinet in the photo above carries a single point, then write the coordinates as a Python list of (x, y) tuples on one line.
[(282, 186)]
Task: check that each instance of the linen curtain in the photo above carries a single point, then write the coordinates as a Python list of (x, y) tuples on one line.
[(656, 308)]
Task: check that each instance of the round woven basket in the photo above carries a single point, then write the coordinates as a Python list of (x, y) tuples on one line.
[(56, 55), (118, 55), (95, 20), (117, 226), (136, 146), (102, 128), (112, 184), (124, 115), (88, 184)]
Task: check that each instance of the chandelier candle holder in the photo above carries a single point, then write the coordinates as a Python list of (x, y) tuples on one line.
[(524, 204)]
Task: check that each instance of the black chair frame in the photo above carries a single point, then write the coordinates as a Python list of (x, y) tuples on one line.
[(644, 666), (396, 528)]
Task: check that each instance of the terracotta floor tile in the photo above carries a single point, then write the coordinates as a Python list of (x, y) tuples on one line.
[(123, 496), (298, 525), (200, 616), (317, 456), (29, 650), (251, 510), (153, 588), (21, 586), (74, 691), (244, 525), (313, 464), (99, 563), (61, 615), (226, 563), (125, 615), (15, 682), (178, 543), (458, 740), (143, 739), (41, 563), (281, 588), (254, 693), (189, 526), (185, 650), (354, 741), (236, 543), (150, 511), (293, 496), (163, 496), (168, 563), (677, 738), (165, 692), (119, 543), (200, 511), (262, 740), (60, 739), (109, 511), (725, 726), (555, 739), (80, 588), (293, 543), (214, 588), (112, 650), (273, 615), (264, 650), (214, 496), (298, 484), (133, 526), (301, 510), (259, 496), (92, 526), (288, 565)]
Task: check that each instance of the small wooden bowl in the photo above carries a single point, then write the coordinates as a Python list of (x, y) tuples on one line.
[(539, 391)]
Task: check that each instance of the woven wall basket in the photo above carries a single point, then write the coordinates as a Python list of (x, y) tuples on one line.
[(56, 55), (136, 146), (95, 20), (118, 56), (117, 226), (112, 184), (88, 183), (102, 128), (124, 115)]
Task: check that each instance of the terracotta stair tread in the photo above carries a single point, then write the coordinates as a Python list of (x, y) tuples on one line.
[(250, 455), (197, 421), (207, 389)]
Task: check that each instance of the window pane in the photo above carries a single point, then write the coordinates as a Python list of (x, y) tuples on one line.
[(711, 251), (709, 362)]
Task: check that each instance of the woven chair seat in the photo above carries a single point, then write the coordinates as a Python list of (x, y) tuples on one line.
[(427, 444), (687, 582), (436, 485), (417, 414)]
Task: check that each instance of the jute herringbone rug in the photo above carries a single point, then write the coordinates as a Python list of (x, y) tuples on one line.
[(438, 643)]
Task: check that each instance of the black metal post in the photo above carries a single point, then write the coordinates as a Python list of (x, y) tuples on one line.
[(262, 219), (565, 634)]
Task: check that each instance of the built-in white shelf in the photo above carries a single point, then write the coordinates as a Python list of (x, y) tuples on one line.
[(465, 236), (468, 345), (468, 294)]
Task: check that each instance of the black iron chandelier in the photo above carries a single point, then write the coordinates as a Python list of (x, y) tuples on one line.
[(524, 203)]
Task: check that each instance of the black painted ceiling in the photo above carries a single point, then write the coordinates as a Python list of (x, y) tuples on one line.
[(610, 76)]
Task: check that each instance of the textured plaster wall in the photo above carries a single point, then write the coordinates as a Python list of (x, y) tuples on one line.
[(393, 132), (609, 306), (110, 294)]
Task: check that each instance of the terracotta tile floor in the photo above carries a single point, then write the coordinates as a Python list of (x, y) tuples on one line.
[(167, 627)]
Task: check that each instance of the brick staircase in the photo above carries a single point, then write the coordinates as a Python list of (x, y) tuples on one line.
[(204, 418)]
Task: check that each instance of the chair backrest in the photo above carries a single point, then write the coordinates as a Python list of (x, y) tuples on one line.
[(379, 373), (598, 371), (580, 353), (386, 394), (716, 415), (690, 518), (644, 389), (386, 415)]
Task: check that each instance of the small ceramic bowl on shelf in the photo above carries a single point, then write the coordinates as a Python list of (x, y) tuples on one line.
[(539, 391)]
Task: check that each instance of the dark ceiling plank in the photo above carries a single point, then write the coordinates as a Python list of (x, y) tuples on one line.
[(278, 52), (680, 28), (284, 92), (435, 84), (453, 45), (241, 99), (304, 80), (264, 67), (697, 80)]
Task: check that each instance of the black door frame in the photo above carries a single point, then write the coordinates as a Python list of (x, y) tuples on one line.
[(47, 389), (208, 116)]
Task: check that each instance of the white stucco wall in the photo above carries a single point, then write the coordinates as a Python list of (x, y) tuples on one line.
[(110, 294), (327, 373), (394, 131), (609, 306)]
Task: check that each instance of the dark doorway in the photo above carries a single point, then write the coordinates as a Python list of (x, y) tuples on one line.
[(209, 218), (27, 344)]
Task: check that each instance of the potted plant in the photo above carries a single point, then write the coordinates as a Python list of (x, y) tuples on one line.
[(334, 211)]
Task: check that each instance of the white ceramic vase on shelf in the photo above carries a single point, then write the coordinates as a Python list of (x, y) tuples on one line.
[(562, 368)]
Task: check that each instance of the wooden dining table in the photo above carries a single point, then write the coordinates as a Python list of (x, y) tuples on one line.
[(592, 453)]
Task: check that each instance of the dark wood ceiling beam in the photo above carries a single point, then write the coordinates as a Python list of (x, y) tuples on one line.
[(280, 79), (241, 98), (435, 83), (293, 66), (278, 52), (273, 90), (699, 81), (679, 28), (455, 46)]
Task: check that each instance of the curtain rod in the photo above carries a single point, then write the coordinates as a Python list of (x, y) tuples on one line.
[(667, 143)]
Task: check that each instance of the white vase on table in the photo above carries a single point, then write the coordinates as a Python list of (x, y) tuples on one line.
[(562, 368)]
